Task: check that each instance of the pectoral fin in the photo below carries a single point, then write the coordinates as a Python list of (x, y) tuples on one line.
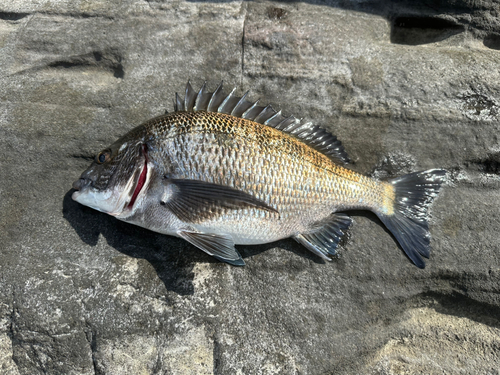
[(324, 241), (187, 198), (219, 246)]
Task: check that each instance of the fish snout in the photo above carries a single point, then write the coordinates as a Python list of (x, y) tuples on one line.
[(81, 183)]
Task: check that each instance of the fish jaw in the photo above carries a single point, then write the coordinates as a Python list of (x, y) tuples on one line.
[(108, 201), (122, 200)]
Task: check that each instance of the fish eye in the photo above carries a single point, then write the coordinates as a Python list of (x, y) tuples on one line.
[(102, 157)]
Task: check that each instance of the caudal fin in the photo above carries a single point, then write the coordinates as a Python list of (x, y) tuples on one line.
[(409, 221)]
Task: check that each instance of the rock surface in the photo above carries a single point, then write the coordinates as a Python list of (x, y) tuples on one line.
[(405, 85)]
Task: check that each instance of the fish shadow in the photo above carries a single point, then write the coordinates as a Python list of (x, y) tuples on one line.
[(287, 244), (172, 258)]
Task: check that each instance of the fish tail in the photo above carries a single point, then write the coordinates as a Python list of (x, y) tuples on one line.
[(407, 219)]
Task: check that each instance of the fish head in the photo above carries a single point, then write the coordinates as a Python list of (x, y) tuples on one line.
[(116, 180)]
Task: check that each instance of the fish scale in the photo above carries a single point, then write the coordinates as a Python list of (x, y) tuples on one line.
[(296, 162), (221, 171)]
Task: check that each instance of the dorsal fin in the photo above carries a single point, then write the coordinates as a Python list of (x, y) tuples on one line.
[(220, 102)]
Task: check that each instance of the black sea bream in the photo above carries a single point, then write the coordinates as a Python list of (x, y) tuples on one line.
[(221, 171)]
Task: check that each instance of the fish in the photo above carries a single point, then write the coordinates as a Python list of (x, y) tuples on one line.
[(221, 171)]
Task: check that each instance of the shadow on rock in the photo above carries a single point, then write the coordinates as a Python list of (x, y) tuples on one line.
[(172, 258), (164, 253), (287, 244), (455, 303), (412, 22)]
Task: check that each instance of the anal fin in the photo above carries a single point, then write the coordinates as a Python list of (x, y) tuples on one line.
[(324, 240), (219, 246)]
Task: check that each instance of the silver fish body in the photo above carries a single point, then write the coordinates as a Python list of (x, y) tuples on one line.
[(221, 171)]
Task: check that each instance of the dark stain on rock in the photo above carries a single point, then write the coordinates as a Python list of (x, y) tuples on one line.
[(417, 30), (275, 13)]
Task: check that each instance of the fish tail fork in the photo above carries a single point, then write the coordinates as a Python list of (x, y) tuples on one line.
[(407, 219)]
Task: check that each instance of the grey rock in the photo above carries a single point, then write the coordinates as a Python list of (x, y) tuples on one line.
[(405, 85)]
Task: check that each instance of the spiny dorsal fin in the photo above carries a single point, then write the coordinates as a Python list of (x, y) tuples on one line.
[(220, 102)]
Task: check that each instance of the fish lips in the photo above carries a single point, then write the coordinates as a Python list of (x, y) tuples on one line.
[(94, 198)]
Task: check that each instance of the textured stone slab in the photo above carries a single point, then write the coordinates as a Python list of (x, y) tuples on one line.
[(405, 86)]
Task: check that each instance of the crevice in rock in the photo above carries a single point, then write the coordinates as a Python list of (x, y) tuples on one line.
[(66, 64), (107, 61), (216, 356), (243, 51), (91, 15), (12, 16), (93, 348), (83, 15), (492, 41), (158, 366), (243, 42), (417, 30), (82, 156), (488, 165), (11, 335), (12, 332), (113, 61)]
